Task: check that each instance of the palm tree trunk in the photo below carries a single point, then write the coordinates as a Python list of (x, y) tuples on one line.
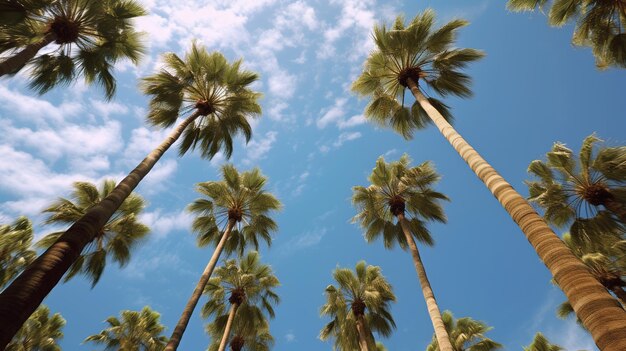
[(361, 329), (443, 339), (16, 62), (21, 298), (177, 334), (229, 326), (599, 312)]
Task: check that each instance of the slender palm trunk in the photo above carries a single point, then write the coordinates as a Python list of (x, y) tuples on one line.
[(177, 334), (362, 330), (21, 298), (599, 312), (17, 61), (229, 326), (443, 339)]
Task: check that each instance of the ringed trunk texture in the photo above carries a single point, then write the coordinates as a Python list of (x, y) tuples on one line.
[(17, 61), (22, 297), (362, 330), (599, 312), (181, 326), (229, 326), (441, 334)]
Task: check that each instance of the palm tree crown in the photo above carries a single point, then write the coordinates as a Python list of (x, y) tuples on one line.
[(215, 91), (599, 24), (136, 331), (418, 53), (589, 193), (239, 198), (116, 239), (91, 36), (396, 188), (466, 334), (365, 294), (541, 343), (40, 332), (15, 249), (246, 285), (246, 337)]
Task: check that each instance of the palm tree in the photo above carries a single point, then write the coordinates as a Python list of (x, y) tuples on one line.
[(135, 331), (357, 307), (589, 193), (541, 343), (466, 334), (234, 215), (217, 95), (90, 37), (116, 239), (409, 55), (398, 191), (600, 25), (15, 248), (40, 332), (246, 290), (246, 337)]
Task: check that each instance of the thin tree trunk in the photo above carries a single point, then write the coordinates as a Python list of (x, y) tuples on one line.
[(16, 62), (599, 312), (361, 329), (21, 298), (229, 326), (443, 339), (177, 334)]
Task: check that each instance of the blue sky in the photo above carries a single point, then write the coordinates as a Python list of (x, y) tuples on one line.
[(533, 88)]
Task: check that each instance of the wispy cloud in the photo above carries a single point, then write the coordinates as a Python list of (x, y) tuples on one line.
[(303, 241)]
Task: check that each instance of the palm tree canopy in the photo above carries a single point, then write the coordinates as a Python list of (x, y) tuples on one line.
[(40, 332), (466, 334), (208, 85), (577, 192), (247, 282), (364, 292), (541, 343), (240, 197), (135, 331), (397, 188), (600, 25), (91, 36), (245, 337), (422, 53), (117, 238), (15, 249)]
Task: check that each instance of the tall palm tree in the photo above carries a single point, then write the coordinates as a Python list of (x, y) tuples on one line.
[(89, 38), (600, 25), (40, 332), (135, 331), (216, 95), (541, 343), (466, 334), (116, 239), (416, 56), (241, 290), (397, 205), (588, 193), (234, 214), (15, 248), (247, 336), (359, 306)]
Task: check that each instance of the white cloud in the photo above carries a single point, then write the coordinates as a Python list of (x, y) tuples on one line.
[(32, 109), (334, 114), (105, 109), (290, 337), (162, 223), (257, 149), (351, 122), (346, 136), (304, 240)]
